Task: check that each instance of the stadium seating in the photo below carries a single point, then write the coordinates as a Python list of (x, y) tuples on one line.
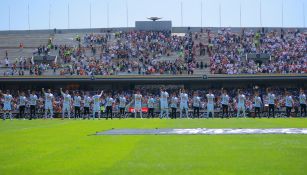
[(124, 53)]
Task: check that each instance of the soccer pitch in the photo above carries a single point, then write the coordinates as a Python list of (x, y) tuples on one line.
[(64, 147)]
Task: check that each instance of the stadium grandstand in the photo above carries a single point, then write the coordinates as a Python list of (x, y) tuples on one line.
[(75, 100), (133, 52)]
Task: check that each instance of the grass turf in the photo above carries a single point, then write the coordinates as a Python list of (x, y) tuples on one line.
[(67, 147)]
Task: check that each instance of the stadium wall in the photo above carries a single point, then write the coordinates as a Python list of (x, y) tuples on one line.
[(130, 82)]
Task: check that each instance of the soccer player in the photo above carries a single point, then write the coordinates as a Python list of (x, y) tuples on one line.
[(241, 103), (86, 105), (164, 103), (22, 104), (184, 98), (7, 108), (271, 102), (122, 105), (109, 106), (66, 103), (289, 103), (225, 103), (138, 104), (302, 98), (210, 103), (151, 103), (96, 105), (257, 104), (174, 106), (33, 103), (196, 104), (48, 103), (77, 104)]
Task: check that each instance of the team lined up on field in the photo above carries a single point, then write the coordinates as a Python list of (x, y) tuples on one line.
[(84, 105)]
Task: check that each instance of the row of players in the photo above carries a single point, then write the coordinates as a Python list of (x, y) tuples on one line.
[(94, 103)]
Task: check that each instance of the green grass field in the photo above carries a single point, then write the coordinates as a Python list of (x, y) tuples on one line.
[(67, 147)]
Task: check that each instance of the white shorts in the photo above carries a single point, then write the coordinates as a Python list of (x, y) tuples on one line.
[(96, 108), (138, 106), (241, 107), (66, 108), (137, 109), (210, 107), (7, 107), (164, 105), (183, 106), (48, 107)]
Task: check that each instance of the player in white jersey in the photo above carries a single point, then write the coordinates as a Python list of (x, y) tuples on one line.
[(271, 102), (48, 103), (86, 105), (257, 104), (150, 104), (196, 104), (22, 104), (7, 106), (302, 98), (184, 98), (289, 103), (174, 106), (33, 103), (122, 106), (210, 103), (96, 105), (77, 105), (164, 103), (225, 103), (66, 103), (241, 103), (138, 104), (109, 106)]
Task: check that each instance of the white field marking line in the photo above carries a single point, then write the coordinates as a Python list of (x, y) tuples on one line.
[(204, 131)]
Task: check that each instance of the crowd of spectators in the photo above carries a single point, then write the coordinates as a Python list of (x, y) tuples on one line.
[(285, 50), (145, 53), (130, 52)]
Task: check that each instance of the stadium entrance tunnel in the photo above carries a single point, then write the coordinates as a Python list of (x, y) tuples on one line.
[(203, 131)]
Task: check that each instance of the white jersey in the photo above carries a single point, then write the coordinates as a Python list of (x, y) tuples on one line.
[(33, 100), (289, 101), (184, 98), (66, 99), (87, 101), (48, 99), (96, 99), (210, 98), (174, 102), (151, 102), (22, 100), (271, 98), (196, 101), (241, 100), (110, 101), (8, 99), (225, 99), (302, 98), (77, 101), (257, 101), (163, 98), (138, 100), (122, 102)]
